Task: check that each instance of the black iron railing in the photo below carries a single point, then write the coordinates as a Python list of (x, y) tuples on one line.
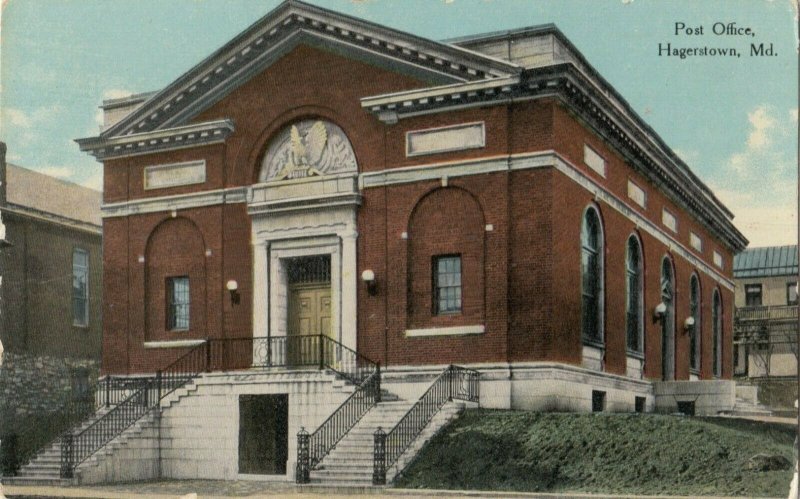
[(141, 395), (311, 351), (453, 383), (37, 432), (78, 446)]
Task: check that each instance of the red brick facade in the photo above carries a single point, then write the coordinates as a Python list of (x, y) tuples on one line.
[(517, 232)]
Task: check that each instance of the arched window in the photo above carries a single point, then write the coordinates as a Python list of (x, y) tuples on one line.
[(634, 300), (668, 320), (592, 277), (716, 323), (696, 329)]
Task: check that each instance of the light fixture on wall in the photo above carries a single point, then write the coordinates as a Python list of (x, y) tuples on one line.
[(688, 324), (233, 288), (659, 311), (368, 277)]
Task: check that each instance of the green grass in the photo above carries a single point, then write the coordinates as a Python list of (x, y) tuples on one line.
[(604, 453)]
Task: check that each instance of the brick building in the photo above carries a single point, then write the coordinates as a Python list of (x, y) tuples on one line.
[(51, 268), (489, 201)]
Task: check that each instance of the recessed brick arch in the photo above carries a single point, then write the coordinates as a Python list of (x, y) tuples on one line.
[(446, 221), (175, 248)]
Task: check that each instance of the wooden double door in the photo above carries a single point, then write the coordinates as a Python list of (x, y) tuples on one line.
[(310, 309)]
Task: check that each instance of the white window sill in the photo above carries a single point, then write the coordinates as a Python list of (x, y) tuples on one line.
[(173, 344), (446, 331)]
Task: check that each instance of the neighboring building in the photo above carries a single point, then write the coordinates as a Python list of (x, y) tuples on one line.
[(765, 326), (50, 322), (490, 202)]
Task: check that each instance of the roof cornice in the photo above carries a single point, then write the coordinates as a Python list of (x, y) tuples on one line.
[(200, 134), (278, 31), (591, 99)]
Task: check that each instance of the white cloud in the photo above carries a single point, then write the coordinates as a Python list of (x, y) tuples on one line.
[(763, 123), (793, 115), (758, 182), (18, 118)]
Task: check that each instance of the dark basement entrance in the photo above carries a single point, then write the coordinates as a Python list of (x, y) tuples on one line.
[(263, 434)]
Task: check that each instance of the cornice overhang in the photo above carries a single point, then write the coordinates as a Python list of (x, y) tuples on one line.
[(277, 32), (199, 134), (606, 114)]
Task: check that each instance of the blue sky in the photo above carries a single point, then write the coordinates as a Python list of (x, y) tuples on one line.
[(734, 120)]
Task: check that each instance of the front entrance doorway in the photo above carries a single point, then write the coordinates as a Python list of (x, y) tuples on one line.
[(309, 280), (263, 434)]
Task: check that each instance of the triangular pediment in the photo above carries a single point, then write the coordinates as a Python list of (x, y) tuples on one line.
[(280, 31)]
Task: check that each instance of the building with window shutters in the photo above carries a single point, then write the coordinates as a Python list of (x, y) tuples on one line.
[(323, 194), (765, 323), (50, 296)]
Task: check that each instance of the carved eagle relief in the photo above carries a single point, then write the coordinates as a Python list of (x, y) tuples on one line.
[(307, 148), (305, 152)]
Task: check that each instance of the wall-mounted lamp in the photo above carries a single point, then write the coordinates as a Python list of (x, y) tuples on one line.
[(233, 288), (368, 277), (659, 311), (688, 324)]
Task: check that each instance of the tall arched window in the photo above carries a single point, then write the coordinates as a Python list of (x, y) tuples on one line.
[(668, 320), (634, 300), (592, 277), (716, 320), (695, 331)]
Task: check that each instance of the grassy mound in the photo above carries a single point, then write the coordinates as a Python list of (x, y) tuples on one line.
[(604, 453)]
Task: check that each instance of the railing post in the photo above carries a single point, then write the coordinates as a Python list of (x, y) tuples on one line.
[(67, 457), (158, 385), (321, 353), (378, 383), (208, 355), (379, 458), (303, 471), (108, 390)]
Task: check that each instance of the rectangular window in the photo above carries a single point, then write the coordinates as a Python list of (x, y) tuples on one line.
[(637, 194), (669, 220), (752, 295), (695, 241), (447, 284), (791, 293), (594, 160), (598, 401), (80, 287), (178, 303)]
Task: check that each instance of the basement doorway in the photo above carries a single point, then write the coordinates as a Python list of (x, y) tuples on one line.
[(263, 434)]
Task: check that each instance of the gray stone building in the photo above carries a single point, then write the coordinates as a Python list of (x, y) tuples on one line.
[(50, 296)]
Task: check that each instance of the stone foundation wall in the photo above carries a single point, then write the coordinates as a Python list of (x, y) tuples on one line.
[(39, 384)]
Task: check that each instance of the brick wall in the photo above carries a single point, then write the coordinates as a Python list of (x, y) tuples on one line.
[(521, 278)]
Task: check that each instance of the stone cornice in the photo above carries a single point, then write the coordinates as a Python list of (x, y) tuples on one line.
[(274, 34), (175, 202), (200, 134), (593, 101)]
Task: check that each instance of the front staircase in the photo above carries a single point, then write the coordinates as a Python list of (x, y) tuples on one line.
[(351, 462)]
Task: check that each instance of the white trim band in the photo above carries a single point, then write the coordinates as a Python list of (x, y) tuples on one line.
[(173, 344), (446, 331)]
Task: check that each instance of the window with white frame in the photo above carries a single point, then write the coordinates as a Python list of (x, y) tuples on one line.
[(716, 324), (694, 331), (80, 287), (634, 295), (592, 277), (447, 284), (178, 303)]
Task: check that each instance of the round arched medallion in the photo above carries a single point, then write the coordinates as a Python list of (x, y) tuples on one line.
[(307, 148)]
